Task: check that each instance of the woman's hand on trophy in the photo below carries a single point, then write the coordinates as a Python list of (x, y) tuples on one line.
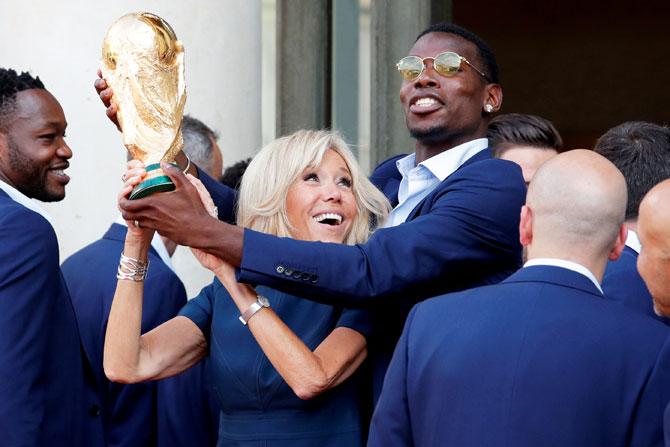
[(178, 215), (137, 235), (105, 92), (135, 172)]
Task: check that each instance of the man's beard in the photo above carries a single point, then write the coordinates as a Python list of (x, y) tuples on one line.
[(32, 182), (431, 136)]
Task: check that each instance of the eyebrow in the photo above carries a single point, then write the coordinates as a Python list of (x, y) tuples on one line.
[(53, 123)]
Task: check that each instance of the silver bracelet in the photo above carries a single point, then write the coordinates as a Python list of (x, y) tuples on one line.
[(188, 164), (132, 269)]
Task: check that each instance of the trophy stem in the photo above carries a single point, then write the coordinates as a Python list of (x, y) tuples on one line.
[(155, 181)]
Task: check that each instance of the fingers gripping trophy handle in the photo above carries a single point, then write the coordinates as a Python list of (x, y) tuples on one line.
[(155, 181)]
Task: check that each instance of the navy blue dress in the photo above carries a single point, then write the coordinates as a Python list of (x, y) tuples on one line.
[(258, 408)]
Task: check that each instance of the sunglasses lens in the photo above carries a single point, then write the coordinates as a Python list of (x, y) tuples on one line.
[(410, 67), (447, 64)]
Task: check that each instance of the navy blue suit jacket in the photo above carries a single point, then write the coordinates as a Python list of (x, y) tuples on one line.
[(133, 415), (47, 393), (623, 284), (539, 360)]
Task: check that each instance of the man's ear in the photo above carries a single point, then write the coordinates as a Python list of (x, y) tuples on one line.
[(619, 243), (494, 97), (526, 226)]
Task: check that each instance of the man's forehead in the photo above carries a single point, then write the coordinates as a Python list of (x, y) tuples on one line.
[(38, 107), (432, 44)]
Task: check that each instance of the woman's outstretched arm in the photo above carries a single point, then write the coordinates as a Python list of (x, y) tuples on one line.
[(168, 349)]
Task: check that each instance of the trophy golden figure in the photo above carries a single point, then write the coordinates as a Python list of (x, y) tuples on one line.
[(143, 62)]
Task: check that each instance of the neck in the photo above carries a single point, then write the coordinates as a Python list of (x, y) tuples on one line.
[(425, 149), (6, 179), (595, 265), (632, 224)]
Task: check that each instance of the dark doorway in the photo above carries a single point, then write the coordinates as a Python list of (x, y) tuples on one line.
[(586, 66)]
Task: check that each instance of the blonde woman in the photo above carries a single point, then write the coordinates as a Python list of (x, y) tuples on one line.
[(281, 366)]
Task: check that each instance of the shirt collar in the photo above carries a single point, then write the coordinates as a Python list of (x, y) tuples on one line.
[(633, 242), (566, 265), (24, 200), (447, 162), (157, 244)]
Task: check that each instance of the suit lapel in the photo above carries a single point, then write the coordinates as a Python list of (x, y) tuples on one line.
[(481, 155)]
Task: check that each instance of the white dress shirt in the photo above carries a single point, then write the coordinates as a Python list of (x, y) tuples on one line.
[(566, 265), (633, 242), (419, 180), (24, 200)]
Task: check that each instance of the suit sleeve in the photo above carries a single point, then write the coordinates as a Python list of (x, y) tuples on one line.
[(391, 422), (29, 272), (224, 197), (648, 423), (470, 230)]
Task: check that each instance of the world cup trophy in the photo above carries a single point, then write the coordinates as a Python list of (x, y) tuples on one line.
[(143, 62)]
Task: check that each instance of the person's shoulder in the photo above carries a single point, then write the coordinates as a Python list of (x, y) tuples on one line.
[(18, 222), (432, 308), (486, 167)]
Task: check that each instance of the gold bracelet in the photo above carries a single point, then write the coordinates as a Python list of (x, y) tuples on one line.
[(132, 269)]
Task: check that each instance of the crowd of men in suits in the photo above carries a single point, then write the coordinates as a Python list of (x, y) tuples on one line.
[(560, 343)]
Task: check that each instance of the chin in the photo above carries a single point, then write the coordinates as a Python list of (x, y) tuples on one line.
[(434, 134), (50, 195)]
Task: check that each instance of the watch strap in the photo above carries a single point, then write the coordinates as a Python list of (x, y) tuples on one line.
[(252, 309)]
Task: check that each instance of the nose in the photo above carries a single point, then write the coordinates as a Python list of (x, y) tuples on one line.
[(64, 151), (428, 77), (331, 192)]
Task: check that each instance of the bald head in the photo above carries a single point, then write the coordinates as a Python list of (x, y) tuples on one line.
[(577, 203), (654, 232)]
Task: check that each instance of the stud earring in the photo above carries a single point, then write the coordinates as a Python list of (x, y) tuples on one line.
[(488, 108)]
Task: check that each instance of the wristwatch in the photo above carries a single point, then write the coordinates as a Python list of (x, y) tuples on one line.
[(260, 303)]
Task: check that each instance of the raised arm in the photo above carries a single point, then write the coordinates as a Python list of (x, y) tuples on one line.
[(168, 349)]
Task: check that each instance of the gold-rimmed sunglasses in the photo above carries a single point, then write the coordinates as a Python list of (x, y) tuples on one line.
[(447, 64)]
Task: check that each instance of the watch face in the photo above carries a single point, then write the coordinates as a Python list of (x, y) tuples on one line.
[(263, 301)]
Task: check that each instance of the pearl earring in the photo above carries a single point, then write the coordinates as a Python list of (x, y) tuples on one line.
[(488, 108)]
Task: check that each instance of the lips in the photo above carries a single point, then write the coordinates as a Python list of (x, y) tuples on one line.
[(328, 218), (58, 172), (425, 103)]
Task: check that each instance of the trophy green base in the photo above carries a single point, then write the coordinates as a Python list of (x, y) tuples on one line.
[(155, 181)]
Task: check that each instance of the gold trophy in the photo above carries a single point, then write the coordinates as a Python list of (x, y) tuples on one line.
[(143, 62)]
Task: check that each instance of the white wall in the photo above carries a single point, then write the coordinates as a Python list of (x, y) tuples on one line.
[(61, 40)]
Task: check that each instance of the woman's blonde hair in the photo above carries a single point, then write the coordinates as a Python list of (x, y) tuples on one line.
[(265, 184)]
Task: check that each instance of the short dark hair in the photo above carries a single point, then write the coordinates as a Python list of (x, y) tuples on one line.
[(641, 151), (522, 130), (12, 83), (232, 176), (198, 140), (484, 51)]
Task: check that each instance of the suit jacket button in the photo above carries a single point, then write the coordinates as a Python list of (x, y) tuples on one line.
[(280, 269), (305, 276), (297, 274), (94, 410), (288, 272), (313, 279)]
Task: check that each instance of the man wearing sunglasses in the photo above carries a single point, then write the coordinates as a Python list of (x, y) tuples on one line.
[(456, 215)]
